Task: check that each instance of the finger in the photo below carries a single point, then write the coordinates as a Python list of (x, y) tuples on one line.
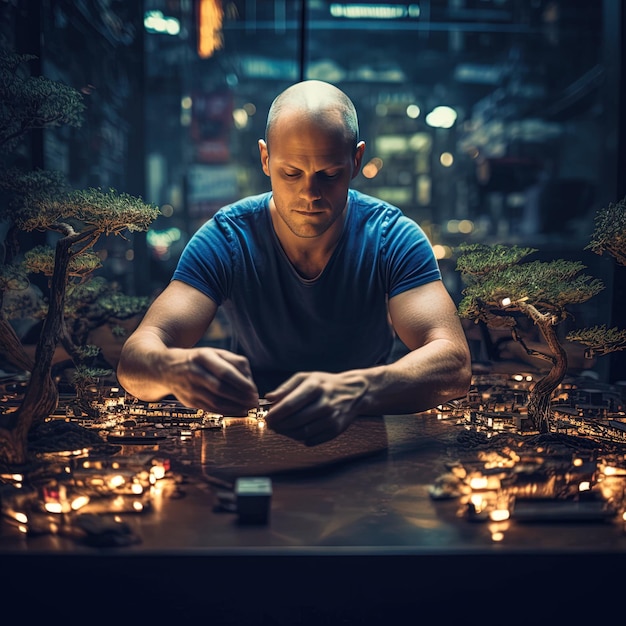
[(231, 369), (295, 408), (204, 390)]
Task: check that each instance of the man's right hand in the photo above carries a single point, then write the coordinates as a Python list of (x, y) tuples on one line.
[(211, 379)]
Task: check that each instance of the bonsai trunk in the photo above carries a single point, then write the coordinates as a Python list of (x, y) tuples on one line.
[(539, 409), (41, 395)]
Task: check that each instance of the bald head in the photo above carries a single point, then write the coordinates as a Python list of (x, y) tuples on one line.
[(316, 100)]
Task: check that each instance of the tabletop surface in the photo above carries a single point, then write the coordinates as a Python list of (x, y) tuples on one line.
[(368, 491)]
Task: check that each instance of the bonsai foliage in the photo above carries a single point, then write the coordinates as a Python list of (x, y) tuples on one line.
[(501, 287), (42, 201), (609, 236), (609, 233)]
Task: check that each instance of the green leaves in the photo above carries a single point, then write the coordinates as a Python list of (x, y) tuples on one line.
[(497, 282), (610, 232)]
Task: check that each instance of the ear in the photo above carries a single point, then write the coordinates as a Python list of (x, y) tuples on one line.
[(265, 157), (358, 158)]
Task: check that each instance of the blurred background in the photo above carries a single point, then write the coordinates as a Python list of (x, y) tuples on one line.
[(485, 120)]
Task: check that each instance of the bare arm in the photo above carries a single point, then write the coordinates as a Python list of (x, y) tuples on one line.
[(316, 406), (438, 366), (160, 359)]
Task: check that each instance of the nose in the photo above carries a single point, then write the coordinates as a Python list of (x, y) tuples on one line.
[(310, 188)]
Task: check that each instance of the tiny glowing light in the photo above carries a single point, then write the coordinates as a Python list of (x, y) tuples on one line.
[(577, 462), (452, 226), (506, 302), (518, 377), (79, 502), (137, 506), (53, 507), (478, 482), (498, 536), (609, 471), (478, 501), (441, 117), (240, 117), (499, 515), (529, 378), (413, 111), (136, 488), (446, 159), (466, 226), (585, 485), (261, 424), (116, 481), (158, 471), (21, 517), (371, 169)]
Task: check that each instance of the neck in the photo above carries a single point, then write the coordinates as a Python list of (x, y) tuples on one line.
[(309, 255)]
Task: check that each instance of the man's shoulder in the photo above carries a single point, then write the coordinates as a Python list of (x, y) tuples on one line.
[(372, 209), (245, 207)]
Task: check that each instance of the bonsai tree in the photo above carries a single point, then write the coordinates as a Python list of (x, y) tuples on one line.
[(500, 289), (609, 236), (42, 201)]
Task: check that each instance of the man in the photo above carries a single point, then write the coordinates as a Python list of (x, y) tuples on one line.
[(315, 279)]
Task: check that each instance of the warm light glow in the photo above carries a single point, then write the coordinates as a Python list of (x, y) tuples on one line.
[(136, 488), (446, 159), (240, 118), (158, 471), (506, 302), (442, 251), (210, 16), (478, 482), (116, 481), (138, 506), (53, 507), (79, 502), (466, 226), (585, 485), (372, 167), (499, 515)]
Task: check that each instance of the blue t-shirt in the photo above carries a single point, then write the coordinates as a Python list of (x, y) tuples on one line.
[(284, 323)]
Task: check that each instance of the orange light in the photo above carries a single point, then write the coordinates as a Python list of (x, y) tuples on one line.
[(210, 16)]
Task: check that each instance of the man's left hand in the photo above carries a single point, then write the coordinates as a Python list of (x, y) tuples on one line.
[(315, 407)]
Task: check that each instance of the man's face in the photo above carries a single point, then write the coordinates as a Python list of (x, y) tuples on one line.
[(310, 167)]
